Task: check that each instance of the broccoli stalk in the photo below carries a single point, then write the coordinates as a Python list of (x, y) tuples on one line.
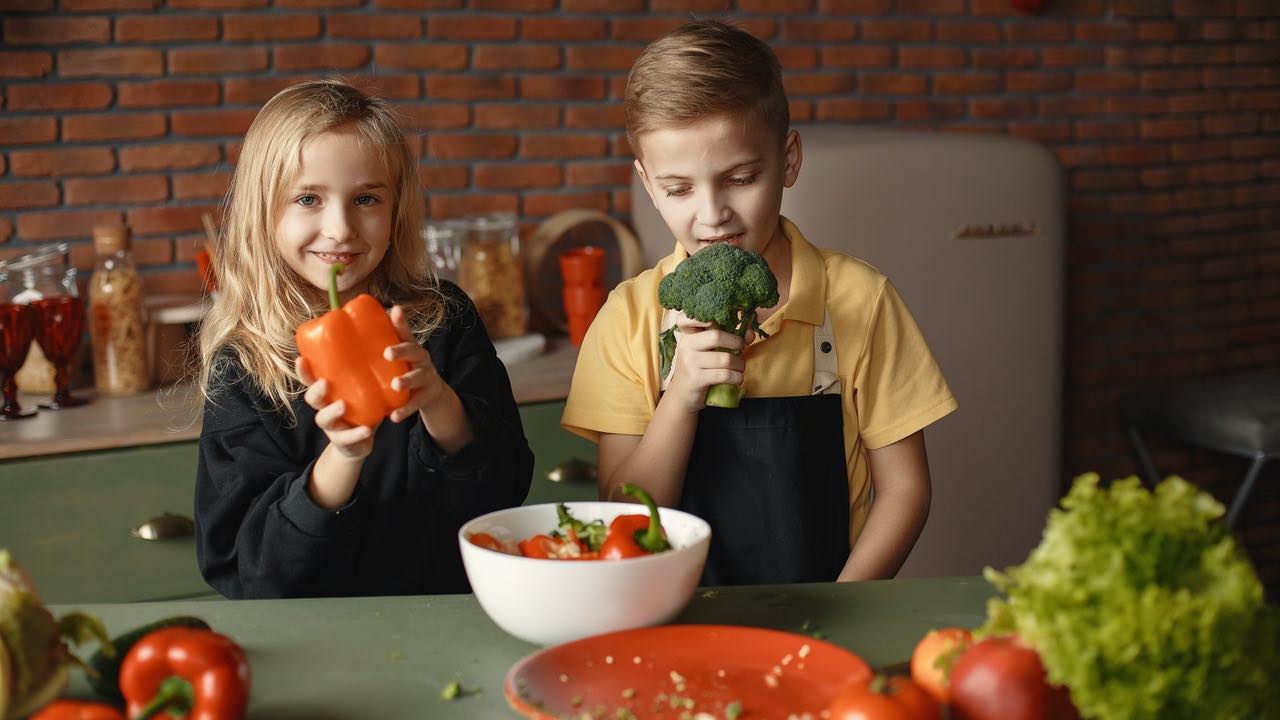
[(723, 285)]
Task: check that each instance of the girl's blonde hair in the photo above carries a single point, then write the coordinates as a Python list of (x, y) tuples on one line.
[(704, 68), (261, 300)]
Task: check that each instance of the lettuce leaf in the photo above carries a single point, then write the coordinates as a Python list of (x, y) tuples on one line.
[(1144, 606)]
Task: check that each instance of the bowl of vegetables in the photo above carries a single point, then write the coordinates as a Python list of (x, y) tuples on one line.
[(557, 572)]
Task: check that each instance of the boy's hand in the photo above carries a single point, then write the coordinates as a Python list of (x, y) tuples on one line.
[(701, 361), (353, 442), (422, 381)]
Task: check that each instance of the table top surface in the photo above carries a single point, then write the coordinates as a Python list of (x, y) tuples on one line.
[(390, 657), (172, 414)]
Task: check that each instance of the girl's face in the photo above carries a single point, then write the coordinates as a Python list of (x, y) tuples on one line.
[(339, 209), (719, 179)]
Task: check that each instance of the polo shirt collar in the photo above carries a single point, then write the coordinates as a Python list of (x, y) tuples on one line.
[(808, 278)]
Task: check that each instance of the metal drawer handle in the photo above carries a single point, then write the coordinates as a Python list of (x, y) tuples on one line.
[(573, 471), (165, 527)]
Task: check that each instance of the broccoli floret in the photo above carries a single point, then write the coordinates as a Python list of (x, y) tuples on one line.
[(720, 284)]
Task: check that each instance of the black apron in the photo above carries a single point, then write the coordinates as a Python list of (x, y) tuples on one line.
[(770, 478)]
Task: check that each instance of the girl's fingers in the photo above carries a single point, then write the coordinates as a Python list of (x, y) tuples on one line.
[(303, 368), (401, 323), (410, 351), (315, 394), (329, 417), (350, 436), (415, 378)]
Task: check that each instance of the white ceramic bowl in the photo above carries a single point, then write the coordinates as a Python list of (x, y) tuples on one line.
[(553, 601)]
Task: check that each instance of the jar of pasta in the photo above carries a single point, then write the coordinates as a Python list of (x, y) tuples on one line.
[(116, 323), (491, 272)]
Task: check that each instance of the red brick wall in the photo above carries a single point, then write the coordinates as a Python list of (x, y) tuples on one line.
[(1165, 114)]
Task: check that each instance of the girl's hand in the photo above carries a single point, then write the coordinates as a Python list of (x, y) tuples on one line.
[(701, 361), (353, 442), (422, 381)]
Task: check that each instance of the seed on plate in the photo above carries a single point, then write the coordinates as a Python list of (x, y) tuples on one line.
[(786, 659), (771, 681), (564, 678), (608, 659), (804, 650)]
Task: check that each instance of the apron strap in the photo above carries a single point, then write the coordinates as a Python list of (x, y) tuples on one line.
[(826, 376)]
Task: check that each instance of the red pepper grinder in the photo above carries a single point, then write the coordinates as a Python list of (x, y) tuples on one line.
[(583, 271)]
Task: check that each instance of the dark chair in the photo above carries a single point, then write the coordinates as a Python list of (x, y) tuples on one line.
[(1235, 414)]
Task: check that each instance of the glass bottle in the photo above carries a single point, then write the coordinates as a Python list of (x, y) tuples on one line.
[(116, 323)]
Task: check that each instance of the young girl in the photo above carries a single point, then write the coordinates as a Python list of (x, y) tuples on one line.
[(290, 500)]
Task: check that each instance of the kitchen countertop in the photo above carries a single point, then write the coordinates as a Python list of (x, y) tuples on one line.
[(366, 658), (172, 414)]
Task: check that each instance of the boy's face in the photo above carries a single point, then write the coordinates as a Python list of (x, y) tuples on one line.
[(719, 179), (338, 209)]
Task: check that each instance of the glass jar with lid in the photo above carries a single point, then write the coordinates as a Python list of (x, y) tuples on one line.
[(116, 322), (492, 274), (29, 273), (444, 247)]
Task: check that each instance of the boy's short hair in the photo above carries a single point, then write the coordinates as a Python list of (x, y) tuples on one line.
[(704, 68)]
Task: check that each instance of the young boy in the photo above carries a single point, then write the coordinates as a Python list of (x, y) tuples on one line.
[(835, 399)]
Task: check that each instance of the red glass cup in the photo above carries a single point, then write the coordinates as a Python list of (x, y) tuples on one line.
[(17, 327), (583, 271), (59, 323), (581, 303), (582, 266)]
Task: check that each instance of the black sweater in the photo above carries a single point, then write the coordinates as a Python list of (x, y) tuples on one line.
[(258, 534)]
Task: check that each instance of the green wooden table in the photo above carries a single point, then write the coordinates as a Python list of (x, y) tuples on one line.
[(67, 518), (365, 658)]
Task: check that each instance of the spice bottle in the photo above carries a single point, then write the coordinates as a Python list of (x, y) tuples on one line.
[(116, 325)]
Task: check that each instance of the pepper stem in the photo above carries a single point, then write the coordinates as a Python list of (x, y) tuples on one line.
[(652, 540), (174, 694), (334, 271)]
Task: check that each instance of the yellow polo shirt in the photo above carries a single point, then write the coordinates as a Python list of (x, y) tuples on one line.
[(891, 385)]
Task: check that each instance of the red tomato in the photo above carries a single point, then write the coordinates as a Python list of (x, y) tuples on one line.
[(77, 710), (1002, 679), (884, 698), (936, 645)]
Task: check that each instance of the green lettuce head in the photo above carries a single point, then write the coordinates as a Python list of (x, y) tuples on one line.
[(1145, 607)]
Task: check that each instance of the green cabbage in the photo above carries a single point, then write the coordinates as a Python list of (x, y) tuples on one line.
[(1144, 606)]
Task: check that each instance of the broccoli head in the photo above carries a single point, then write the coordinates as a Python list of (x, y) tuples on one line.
[(720, 284)]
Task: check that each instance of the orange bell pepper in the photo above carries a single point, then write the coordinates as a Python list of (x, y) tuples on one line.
[(345, 346)]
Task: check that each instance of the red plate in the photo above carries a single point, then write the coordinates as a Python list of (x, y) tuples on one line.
[(675, 670)]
